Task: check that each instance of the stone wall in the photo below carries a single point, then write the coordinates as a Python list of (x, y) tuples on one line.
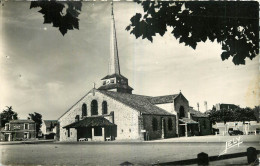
[(148, 126), (181, 101), (178, 102), (126, 118), (205, 126)]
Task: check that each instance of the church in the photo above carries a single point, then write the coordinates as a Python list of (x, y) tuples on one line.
[(113, 112)]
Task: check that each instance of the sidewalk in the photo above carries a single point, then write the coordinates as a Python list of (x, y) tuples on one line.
[(198, 139), (212, 138), (27, 142)]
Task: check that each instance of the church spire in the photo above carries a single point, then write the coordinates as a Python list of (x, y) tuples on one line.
[(114, 67), (114, 81)]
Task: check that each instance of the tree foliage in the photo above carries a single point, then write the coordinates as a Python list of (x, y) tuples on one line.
[(62, 14), (229, 115), (37, 118), (7, 115), (233, 24)]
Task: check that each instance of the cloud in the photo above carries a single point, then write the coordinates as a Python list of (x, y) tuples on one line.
[(56, 71)]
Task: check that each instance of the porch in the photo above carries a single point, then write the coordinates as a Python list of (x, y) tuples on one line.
[(94, 129), (188, 127)]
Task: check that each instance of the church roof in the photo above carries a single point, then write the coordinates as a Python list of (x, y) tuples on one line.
[(114, 76), (198, 114), (112, 86), (137, 102), (163, 99), (90, 122), (140, 103), (188, 121)]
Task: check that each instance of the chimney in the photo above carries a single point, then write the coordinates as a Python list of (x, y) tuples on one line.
[(206, 105)]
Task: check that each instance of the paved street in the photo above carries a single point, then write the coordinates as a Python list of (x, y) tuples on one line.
[(142, 153)]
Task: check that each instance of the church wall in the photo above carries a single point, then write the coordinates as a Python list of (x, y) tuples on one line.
[(125, 117), (205, 125), (178, 102), (181, 101), (148, 126), (67, 119)]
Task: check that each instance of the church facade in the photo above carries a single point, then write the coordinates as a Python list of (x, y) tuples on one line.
[(112, 112)]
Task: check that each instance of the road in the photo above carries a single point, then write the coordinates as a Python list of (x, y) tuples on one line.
[(142, 153)]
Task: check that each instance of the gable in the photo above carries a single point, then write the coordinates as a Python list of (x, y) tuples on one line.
[(76, 103), (180, 97)]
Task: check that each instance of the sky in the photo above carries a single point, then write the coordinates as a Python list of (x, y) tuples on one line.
[(45, 72)]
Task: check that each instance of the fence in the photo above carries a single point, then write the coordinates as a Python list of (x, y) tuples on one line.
[(204, 159)]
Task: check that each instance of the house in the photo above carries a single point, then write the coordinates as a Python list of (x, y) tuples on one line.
[(113, 112), (21, 129), (220, 106), (49, 129)]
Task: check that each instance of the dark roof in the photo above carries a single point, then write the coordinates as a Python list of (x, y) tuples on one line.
[(49, 122), (163, 99), (187, 120), (137, 102), (112, 86), (90, 122), (198, 114), (22, 121), (114, 75), (228, 106)]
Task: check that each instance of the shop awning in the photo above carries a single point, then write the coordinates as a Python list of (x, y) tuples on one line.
[(90, 122)]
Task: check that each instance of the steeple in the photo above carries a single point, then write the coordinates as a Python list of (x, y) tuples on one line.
[(114, 81), (114, 67)]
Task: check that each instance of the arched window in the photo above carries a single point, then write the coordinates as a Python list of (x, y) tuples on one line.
[(94, 107), (170, 124), (104, 107), (84, 110), (182, 113), (155, 124)]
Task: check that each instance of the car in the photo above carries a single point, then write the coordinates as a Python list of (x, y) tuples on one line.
[(83, 139), (234, 132)]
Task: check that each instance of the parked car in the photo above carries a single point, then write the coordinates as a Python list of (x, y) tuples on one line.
[(83, 139), (234, 132)]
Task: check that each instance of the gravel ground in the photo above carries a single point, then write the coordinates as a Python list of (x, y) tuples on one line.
[(212, 138), (145, 153)]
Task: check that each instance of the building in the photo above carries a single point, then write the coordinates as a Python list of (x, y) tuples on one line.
[(205, 127), (112, 112), (247, 127), (17, 130), (49, 129), (220, 106)]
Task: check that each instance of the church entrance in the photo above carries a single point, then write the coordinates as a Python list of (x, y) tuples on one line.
[(182, 131), (188, 127), (84, 133)]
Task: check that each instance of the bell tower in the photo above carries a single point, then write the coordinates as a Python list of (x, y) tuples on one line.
[(114, 81)]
